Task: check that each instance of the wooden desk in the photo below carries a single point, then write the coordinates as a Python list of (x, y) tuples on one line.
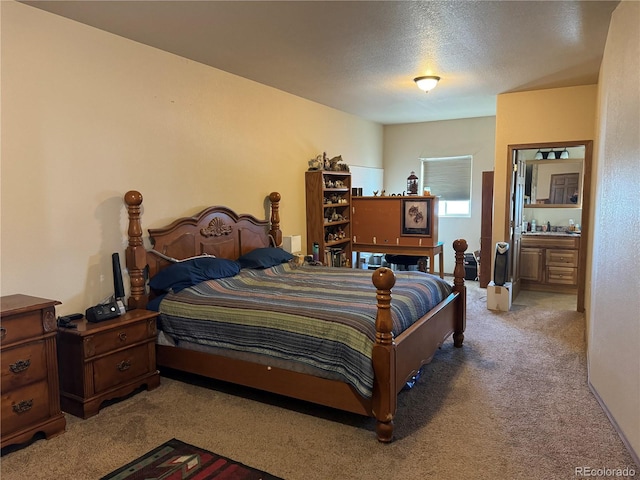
[(423, 251)]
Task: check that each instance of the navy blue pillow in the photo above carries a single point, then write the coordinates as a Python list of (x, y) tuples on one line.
[(264, 257), (181, 275), (155, 303)]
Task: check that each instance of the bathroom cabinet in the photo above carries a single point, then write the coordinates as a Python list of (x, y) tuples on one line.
[(549, 262)]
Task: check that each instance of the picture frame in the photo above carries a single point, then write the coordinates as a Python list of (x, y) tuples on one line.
[(416, 217)]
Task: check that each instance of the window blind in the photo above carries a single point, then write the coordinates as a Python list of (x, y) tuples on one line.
[(448, 178)]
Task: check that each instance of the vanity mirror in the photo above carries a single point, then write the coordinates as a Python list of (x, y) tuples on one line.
[(555, 182)]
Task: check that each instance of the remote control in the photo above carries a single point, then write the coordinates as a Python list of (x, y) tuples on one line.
[(70, 317)]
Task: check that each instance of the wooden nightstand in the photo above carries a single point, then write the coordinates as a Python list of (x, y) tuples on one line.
[(30, 398), (106, 360)]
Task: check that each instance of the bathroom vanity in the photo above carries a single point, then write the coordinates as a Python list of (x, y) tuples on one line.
[(549, 261)]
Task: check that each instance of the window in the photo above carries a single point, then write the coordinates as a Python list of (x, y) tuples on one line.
[(450, 179)]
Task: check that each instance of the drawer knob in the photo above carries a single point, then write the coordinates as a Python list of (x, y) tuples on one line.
[(122, 336), (22, 406), (20, 366), (3, 333), (124, 365)]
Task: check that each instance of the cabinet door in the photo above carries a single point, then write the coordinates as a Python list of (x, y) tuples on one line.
[(531, 264)]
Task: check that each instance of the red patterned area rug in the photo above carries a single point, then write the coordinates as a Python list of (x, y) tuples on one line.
[(176, 460)]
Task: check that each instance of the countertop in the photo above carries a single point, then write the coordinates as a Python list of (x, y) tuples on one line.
[(553, 234)]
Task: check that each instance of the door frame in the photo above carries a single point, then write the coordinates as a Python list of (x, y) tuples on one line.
[(586, 206)]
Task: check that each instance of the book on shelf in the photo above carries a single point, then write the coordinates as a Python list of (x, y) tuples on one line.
[(335, 257)]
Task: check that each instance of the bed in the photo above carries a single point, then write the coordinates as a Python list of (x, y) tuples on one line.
[(308, 306)]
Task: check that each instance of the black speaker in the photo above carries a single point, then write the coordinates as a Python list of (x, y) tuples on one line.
[(118, 286), (501, 265), (470, 267)]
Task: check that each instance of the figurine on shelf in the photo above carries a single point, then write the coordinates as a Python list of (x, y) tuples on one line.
[(323, 162), (329, 214), (316, 163), (335, 164)]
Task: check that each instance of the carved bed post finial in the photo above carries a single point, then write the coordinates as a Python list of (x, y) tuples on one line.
[(135, 253), (384, 357), (275, 232), (460, 246)]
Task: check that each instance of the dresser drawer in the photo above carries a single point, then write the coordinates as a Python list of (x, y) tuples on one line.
[(21, 326), (116, 338), (562, 275), (24, 406), (23, 365), (121, 367), (562, 258)]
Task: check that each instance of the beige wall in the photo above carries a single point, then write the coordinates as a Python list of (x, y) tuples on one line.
[(540, 116), (613, 318), (405, 144), (87, 116)]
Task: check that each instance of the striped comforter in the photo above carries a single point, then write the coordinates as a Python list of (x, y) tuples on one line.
[(313, 318)]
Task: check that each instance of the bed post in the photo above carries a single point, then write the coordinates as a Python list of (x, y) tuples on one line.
[(275, 232), (384, 357), (460, 246), (136, 255)]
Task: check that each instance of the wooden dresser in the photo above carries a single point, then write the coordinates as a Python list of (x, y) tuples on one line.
[(106, 360), (30, 392)]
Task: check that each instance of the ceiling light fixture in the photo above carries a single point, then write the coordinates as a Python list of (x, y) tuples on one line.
[(564, 154), (427, 82), (538, 155)]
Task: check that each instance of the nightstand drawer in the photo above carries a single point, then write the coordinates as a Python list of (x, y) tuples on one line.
[(24, 406), (122, 366), (23, 365), (116, 338)]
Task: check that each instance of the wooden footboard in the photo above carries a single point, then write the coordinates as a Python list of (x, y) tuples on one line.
[(222, 232), (395, 361)]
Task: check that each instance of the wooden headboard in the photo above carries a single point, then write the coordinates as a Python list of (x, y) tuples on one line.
[(215, 231)]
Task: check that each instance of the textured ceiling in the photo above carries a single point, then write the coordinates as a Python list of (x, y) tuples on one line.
[(361, 57)]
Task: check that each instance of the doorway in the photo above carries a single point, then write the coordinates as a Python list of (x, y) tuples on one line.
[(527, 197)]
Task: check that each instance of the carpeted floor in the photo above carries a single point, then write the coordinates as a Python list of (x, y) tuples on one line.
[(513, 403)]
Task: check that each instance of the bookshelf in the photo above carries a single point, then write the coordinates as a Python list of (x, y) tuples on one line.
[(328, 197)]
